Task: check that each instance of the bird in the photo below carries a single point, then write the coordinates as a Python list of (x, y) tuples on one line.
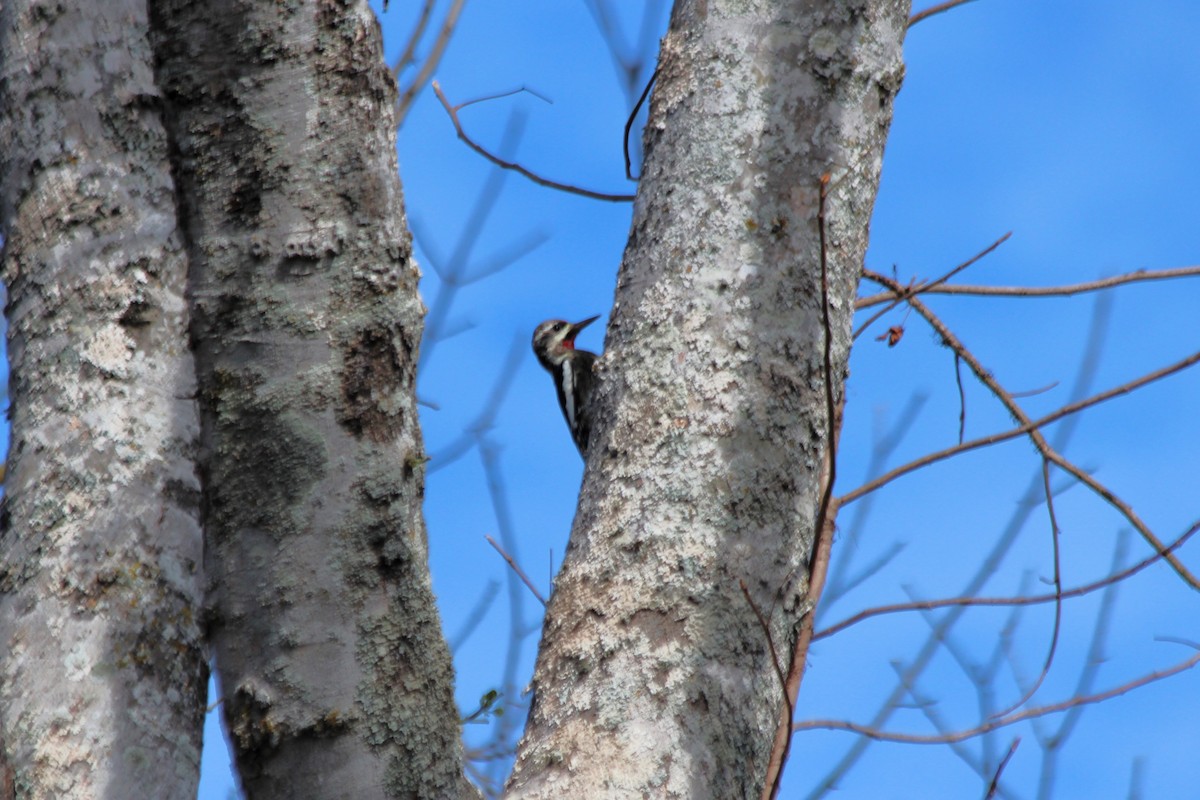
[(572, 370)]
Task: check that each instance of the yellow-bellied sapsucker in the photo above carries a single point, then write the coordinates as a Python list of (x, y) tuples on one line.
[(554, 346)]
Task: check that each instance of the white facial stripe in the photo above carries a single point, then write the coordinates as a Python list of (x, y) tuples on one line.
[(568, 387)]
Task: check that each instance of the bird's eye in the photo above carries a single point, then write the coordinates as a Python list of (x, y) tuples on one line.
[(558, 326)]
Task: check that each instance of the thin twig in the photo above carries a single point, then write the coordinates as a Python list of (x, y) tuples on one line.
[(995, 784), (1035, 392), (626, 65), (969, 262), (452, 111), (1053, 745), (501, 95), (1078, 591), (504, 730), (451, 269), (1058, 598), (517, 569), (405, 101), (962, 399), (938, 9), (1179, 640), (629, 123), (1067, 290), (988, 727), (1033, 600), (929, 708), (832, 592), (1135, 780), (766, 629)]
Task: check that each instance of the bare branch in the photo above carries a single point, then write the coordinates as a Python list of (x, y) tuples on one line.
[(870, 570), (841, 580), (505, 258), (929, 708), (996, 554), (414, 39), (1053, 745), (969, 262), (1138, 276), (1078, 591), (504, 731), (451, 270), (962, 399), (1035, 392), (987, 379), (452, 111), (1054, 416)]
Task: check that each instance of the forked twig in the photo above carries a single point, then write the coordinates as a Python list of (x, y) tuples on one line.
[(927, 286), (991, 725), (1047, 452), (1025, 600)]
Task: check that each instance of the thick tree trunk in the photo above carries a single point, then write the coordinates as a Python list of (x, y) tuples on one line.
[(655, 677), (102, 670), (335, 677)]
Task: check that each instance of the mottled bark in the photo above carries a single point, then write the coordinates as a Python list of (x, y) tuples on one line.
[(335, 677), (654, 678), (102, 671)]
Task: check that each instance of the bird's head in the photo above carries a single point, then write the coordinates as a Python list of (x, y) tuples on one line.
[(555, 338)]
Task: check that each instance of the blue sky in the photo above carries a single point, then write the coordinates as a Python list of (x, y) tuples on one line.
[(1072, 124)]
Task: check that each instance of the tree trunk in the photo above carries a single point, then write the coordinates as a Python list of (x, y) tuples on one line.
[(335, 677), (655, 677), (102, 669)]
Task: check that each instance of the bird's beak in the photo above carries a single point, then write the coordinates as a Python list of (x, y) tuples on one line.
[(578, 326)]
